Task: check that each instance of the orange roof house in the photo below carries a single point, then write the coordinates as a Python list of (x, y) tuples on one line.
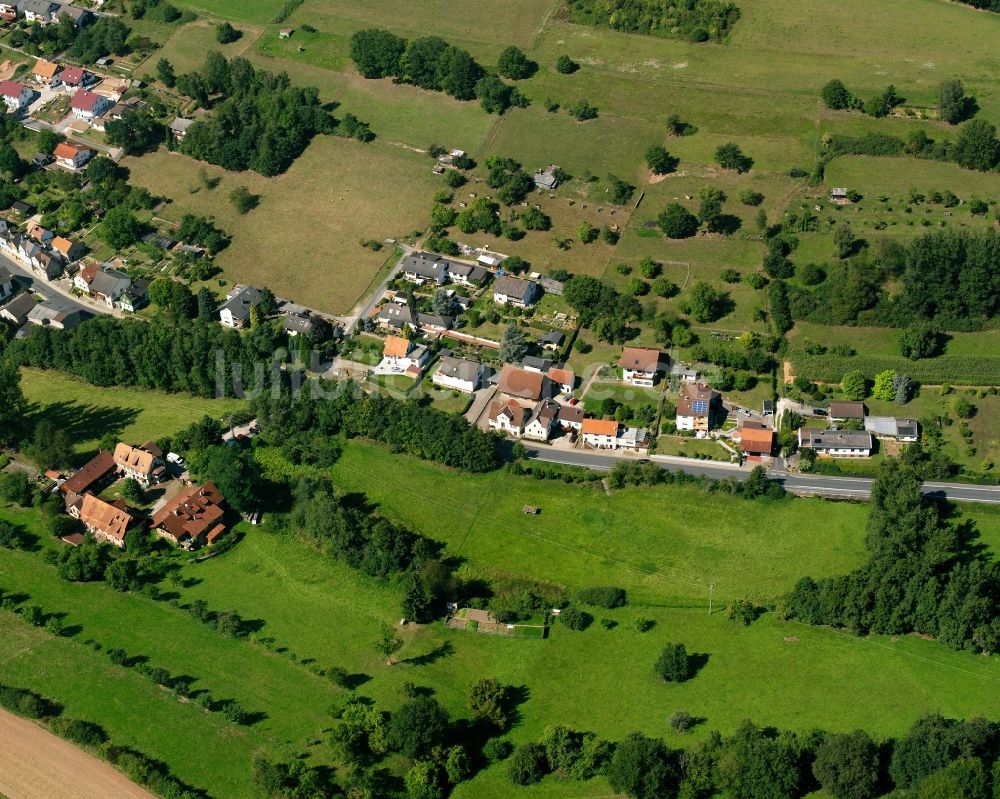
[(600, 427), (194, 516), (395, 347), (65, 247), (141, 463), (106, 520), (45, 70), (756, 440)]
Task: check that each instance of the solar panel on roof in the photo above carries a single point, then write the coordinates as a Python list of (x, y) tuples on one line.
[(700, 406)]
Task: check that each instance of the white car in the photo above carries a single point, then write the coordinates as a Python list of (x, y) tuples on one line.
[(173, 457)]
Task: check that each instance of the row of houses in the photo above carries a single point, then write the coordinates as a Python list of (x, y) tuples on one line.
[(235, 312), (423, 268), (852, 443), (50, 74), (45, 12), (192, 517), (46, 254)]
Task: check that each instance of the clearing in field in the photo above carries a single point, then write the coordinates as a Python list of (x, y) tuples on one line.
[(186, 49), (88, 413), (304, 239)]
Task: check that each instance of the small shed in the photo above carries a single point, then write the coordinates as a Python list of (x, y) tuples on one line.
[(285, 33), (532, 510)]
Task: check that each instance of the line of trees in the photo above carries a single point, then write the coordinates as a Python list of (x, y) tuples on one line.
[(695, 20), (432, 63), (259, 120), (921, 576)]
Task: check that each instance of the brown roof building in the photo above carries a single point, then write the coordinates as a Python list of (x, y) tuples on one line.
[(108, 521), (696, 406), (847, 410), (756, 439), (144, 463), (193, 517), (524, 383), (96, 470), (640, 365)]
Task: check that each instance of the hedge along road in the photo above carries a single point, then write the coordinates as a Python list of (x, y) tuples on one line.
[(35, 764)]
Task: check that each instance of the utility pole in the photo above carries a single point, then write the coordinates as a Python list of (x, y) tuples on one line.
[(711, 590)]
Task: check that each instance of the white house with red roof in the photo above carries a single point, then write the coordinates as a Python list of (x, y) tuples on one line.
[(15, 95), (71, 156), (88, 105), (73, 76)]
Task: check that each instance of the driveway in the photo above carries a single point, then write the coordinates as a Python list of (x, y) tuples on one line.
[(479, 411)]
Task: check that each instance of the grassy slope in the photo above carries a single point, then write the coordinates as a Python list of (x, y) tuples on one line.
[(88, 413)]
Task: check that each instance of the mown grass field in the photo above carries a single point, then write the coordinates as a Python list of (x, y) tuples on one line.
[(89, 413), (186, 49), (304, 239)]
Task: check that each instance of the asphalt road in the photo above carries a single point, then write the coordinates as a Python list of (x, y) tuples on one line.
[(23, 275), (803, 484)]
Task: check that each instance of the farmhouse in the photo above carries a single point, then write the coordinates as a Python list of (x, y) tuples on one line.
[(507, 416), (509, 290), (144, 463), (108, 521), (640, 366), (524, 384), (755, 439), (71, 156), (235, 311), (16, 311), (837, 443), (600, 433), (459, 374), (92, 476), (194, 517), (906, 430), (841, 411), (15, 95), (89, 105), (696, 407), (6, 283)]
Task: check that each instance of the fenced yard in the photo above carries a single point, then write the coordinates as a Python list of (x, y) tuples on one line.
[(480, 621)]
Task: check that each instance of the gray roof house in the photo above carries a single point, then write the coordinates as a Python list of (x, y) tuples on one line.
[(459, 374), (551, 340), (295, 324), (435, 322), (55, 313), (16, 311), (891, 427), (395, 316), (80, 16), (468, 273), (41, 10), (837, 443), (515, 291), (179, 127), (135, 296), (547, 178), (421, 267), (109, 284), (235, 311)]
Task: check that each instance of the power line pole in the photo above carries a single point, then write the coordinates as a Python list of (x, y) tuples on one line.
[(711, 590)]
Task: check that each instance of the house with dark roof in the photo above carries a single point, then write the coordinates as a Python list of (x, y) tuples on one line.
[(41, 11), (425, 267), (194, 517), (16, 311), (297, 324), (509, 290), (79, 16), (570, 417), (55, 313), (135, 297), (396, 316), (467, 274), (836, 443), (890, 427), (696, 407), (235, 311), (459, 374), (552, 340)]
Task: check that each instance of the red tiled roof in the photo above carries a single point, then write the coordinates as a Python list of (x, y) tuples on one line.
[(85, 100), (111, 519), (95, 469), (71, 75), (11, 88), (521, 383), (600, 427), (640, 358), (758, 440), (191, 513), (67, 150)]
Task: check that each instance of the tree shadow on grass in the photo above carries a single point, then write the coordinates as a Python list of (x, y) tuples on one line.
[(444, 650), (82, 421), (697, 661)]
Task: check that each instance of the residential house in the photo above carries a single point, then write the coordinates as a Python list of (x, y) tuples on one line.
[(399, 354), (467, 274), (696, 407), (235, 311), (47, 265), (508, 290), (179, 127), (67, 248), (396, 317), (533, 364), (40, 11), (15, 95), (600, 433), (54, 313), (641, 366), (552, 340), (837, 443), (109, 284), (547, 178), (73, 77), (842, 411), (570, 417), (135, 297), (41, 159), (88, 105), (72, 156), (108, 521), (459, 374), (16, 311), (45, 72), (425, 267), (22, 208), (80, 16), (144, 463), (543, 421), (194, 517), (564, 379), (94, 475), (297, 324), (905, 430), (635, 439), (431, 323), (755, 439), (6, 283), (40, 234), (507, 416), (524, 384)]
